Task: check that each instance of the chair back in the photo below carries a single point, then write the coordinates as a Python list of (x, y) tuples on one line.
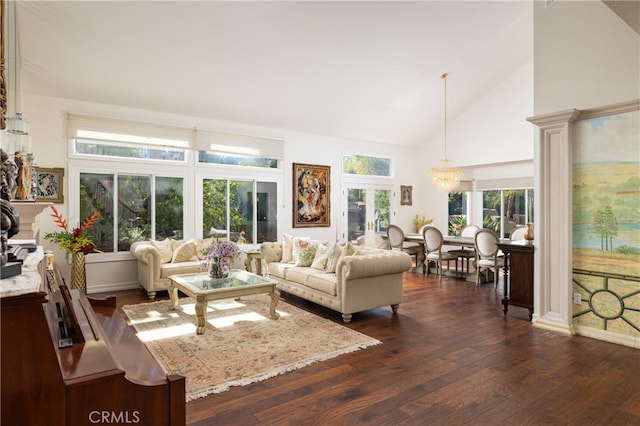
[(395, 236), (486, 243), (469, 231), (517, 234), (432, 238)]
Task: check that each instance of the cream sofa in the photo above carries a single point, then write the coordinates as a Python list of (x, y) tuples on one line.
[(364, 278), (157, 260)]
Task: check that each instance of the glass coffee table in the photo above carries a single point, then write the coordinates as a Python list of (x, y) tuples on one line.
[(203, 288)]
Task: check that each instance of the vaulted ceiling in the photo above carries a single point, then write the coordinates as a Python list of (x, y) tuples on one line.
[(359, 70)]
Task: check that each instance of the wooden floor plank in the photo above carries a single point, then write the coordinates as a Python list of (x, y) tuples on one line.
[(448, 357)]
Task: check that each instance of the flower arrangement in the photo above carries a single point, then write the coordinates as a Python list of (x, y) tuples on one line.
[(220, 255), (419, 221), (76, 240)]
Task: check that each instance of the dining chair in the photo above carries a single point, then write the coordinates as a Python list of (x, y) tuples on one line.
[(433, 240), (395, 237), (468, 231), (517, 234), (486, 245)]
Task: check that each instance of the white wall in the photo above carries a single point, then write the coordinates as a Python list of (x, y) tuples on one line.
[(485, 139), (585, 57)]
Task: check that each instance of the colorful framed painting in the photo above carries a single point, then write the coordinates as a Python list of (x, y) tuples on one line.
[(49, 184), (311, 195)]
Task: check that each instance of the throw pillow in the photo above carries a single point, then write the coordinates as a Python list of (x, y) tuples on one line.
[(287, 248), (305, 251), (297, 247), (185, 252), (322, 255), (165, 249), (202, 245), (335, 255)]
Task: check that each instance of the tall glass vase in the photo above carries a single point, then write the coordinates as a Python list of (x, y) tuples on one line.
[(78, 272)]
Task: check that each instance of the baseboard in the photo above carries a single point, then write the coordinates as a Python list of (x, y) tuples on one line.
[(607, 336), (106, 288)]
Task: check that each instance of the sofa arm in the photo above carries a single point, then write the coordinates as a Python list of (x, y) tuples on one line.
[(271, 252), (145, 253), (373, 264)]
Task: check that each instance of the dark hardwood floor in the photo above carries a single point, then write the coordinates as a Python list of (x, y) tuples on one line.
[(449, 357)]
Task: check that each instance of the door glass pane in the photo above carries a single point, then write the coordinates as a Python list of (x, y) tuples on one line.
[(169, 208), (382, 214), (357, 216), (530, 205), (241, 211), (96, 193), (134, 195), (457, 211), (514, 210), (491, 210), (267, 209), (214, 208)]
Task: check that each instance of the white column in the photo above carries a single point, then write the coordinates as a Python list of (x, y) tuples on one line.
[(553, 211)]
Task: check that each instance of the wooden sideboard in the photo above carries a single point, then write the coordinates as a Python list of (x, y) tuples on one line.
[(93, 379), (518, 274)]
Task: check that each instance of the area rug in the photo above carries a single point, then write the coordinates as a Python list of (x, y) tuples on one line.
[(241, 344)]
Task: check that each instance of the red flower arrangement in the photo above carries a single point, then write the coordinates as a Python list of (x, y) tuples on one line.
[(76, 240)]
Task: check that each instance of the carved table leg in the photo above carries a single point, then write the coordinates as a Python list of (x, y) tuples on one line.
[(201, 314), (505, 296), (173, 294), (275, 296)]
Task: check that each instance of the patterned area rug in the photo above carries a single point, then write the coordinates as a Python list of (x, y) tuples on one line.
[(241, 344)]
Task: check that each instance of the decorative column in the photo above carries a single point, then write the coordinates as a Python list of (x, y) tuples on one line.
[(553, 212), (29, 229)]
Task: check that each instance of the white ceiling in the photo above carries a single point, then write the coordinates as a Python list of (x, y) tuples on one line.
[(359, 70)]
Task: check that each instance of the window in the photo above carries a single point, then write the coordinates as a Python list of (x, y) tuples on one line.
[(458, 216), (366, 166), (236, 159), (505, 210), (243, 211), (132, 207)]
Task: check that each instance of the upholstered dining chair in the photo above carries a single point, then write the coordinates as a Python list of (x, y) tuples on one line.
[(486, 245), (395, 237), (433, 240), (468, 231), (517, 234)]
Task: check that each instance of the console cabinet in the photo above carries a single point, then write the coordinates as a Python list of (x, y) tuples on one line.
[(518, 274)]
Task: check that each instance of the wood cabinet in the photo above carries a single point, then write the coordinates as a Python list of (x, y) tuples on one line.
[(518, 274)]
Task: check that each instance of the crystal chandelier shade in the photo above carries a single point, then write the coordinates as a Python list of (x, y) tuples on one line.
[(446, 178)]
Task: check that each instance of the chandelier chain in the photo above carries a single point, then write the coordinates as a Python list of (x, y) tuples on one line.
[(444, 77)]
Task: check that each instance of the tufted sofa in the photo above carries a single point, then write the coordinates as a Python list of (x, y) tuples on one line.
[(363, 278), (157, 260)]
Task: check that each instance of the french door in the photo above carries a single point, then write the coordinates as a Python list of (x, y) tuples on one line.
[(366, 213)]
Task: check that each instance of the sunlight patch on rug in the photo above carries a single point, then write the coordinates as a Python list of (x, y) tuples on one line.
[(241, 344)]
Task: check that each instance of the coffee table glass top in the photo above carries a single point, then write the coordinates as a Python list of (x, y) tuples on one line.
[(203, 281)]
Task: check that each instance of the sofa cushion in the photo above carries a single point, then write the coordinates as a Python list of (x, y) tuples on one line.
[(168, 269), (324, 282), (304, 251), (185, 252), (164, 248), (278, 269), (300, 275)]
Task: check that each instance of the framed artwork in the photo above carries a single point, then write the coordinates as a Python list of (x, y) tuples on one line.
[(406, 195), (311, 195), (49, 184)]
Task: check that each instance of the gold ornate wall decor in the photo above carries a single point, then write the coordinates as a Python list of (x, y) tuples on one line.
[(311, 195)]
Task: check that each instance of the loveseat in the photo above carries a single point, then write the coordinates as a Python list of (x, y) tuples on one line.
[(157, 260), (342, 277)]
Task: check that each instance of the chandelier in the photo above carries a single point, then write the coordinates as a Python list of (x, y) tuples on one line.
[(445, 178)]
